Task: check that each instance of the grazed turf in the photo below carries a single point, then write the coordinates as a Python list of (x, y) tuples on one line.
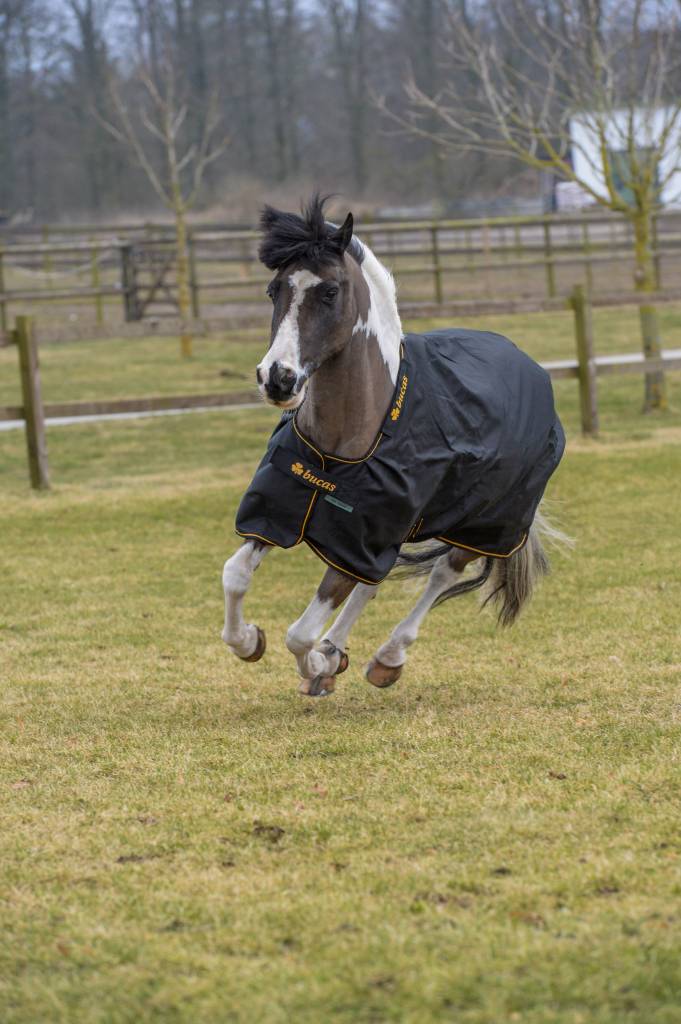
[(132, 367), (185, 839), (127, 368)]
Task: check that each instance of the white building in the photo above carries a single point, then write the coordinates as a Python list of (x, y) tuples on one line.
[(648, 128)]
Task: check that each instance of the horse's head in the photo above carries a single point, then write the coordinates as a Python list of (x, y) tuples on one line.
[(319, 296)]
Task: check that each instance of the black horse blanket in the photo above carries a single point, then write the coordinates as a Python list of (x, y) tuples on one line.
[(464, 454)]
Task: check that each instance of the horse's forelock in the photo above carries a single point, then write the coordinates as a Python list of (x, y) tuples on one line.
[(308, 238)]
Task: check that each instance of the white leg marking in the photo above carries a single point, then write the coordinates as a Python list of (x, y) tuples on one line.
[(240, 636), (394, 652), (302, 635), (348, 615)]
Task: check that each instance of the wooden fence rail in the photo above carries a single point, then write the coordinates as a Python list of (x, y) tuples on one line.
[(434, 255), (585, 368)]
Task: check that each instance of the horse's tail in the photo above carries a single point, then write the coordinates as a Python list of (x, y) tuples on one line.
[(512, 580)]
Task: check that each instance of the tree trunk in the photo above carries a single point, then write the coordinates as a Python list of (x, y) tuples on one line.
[(429, 71), (358, 100), (183, 297), (245, 92), (291, 66), (350, 40), (645, 280), (30, 188), (275, 90), (6, 161)]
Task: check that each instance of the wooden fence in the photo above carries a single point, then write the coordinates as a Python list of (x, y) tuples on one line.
[(432, 261), (586, 367)]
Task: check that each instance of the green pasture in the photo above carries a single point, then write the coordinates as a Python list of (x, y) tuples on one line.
[(184, 839), (132, 367)]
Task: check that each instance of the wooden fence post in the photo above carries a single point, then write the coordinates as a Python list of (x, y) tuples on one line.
[(586, 246), (96, 282), (3, 301), (47, 255), (517, 242), (33, 404), (487, 247), (548, 257), (193, 280), (437, 268), (128, 285), (588, 395)]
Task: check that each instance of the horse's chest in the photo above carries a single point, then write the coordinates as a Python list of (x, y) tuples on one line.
[(464, 454)]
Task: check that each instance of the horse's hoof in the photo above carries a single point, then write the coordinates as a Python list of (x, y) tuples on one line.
[(320, 686), (260, 647), (382, 675), (329, 650), (343, 663)]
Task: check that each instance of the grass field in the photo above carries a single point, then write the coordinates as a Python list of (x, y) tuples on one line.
[(127, 368), (184, 839)]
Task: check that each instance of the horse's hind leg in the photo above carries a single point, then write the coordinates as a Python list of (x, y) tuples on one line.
[(385, 668), (244, 639)]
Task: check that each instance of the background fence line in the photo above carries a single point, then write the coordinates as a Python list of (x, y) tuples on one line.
[(431, 260), (585, 368)]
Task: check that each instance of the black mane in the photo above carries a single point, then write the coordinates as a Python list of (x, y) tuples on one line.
[(310, 238)]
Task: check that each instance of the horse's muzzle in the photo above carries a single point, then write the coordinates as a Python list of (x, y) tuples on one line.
[(280, 383)]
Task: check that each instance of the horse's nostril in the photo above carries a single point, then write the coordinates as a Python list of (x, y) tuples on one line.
[(258, 375), (280, 380)]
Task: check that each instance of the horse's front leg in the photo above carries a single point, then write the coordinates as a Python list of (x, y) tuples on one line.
[(246, 640), (316, 665)]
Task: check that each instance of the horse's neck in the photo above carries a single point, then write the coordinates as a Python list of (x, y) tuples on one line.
[(347, 399)]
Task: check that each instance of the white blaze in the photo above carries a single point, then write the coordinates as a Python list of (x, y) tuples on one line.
[(285, 349)]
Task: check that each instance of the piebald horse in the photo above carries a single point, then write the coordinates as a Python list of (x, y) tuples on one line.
[(336, 366)]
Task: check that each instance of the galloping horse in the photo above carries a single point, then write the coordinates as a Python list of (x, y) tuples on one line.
[(444, 440)]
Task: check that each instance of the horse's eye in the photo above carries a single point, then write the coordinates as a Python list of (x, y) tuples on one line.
[(330, 294), (272, 289)]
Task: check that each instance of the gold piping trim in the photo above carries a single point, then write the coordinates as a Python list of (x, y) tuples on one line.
[(346, 572), (307, 516), (337, 458), (413, 530), (274, 543), (488, 554), (308, 443), (353, 462), (258, 536)]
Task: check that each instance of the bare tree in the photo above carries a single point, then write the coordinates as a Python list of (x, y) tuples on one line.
[(10, 10), (245, 93), (349, 33), (89, 61), (579, 88), (163, 114), (275, 88)]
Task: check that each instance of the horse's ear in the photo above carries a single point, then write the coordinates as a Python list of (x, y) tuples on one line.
[(344, 233)]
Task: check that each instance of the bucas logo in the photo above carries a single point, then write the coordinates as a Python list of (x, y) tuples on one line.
[(397, 408), (305, 474)]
